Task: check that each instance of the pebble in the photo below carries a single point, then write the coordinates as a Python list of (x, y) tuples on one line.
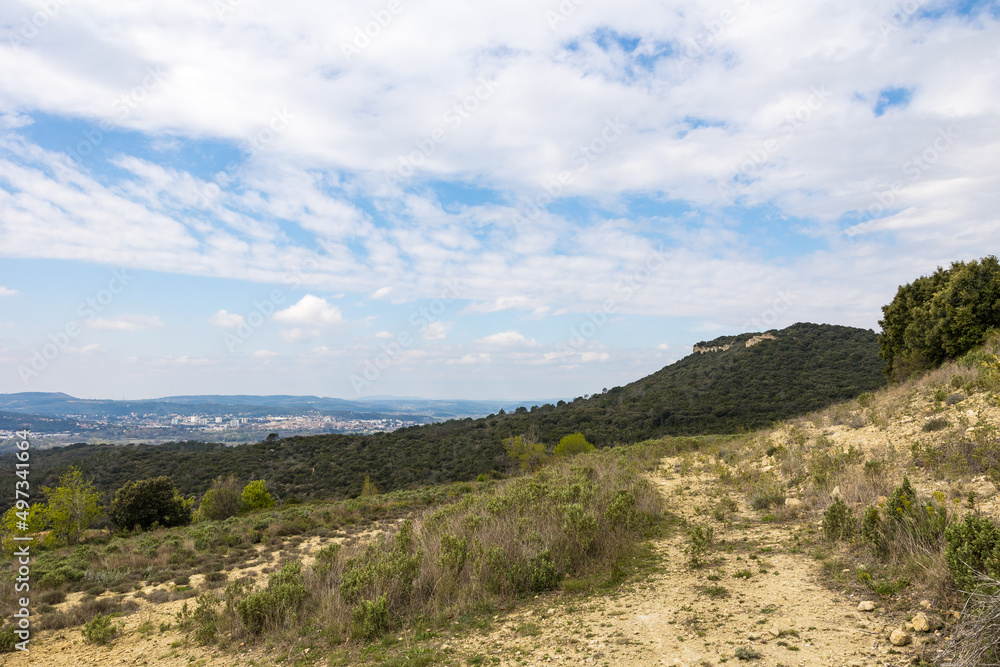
[(866, 605)]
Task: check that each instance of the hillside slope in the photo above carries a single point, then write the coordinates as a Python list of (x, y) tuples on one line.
[(778, 375)]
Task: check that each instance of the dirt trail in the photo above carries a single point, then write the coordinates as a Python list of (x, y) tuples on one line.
[(679, 616)]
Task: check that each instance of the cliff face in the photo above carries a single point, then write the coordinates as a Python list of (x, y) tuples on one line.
[(702, 348)]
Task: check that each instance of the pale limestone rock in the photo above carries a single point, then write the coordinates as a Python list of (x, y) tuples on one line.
[(900, 638), (793, 503), (866, 605), (920, 623)]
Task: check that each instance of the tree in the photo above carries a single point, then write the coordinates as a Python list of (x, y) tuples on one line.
[(21, 522), (222, 500), (573, 444), (368, 489), (71, 506), (941, 316), (526, 452), (147, 501), (256, 497)]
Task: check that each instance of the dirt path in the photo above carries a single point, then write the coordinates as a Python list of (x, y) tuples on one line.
[(685, 616), (756, 594)]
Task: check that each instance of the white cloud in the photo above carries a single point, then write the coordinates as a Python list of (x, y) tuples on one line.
[(383, 335), (227, 319), (310, 310), (127, 323), (472, 358), (437, 330), (264, 354), (381, 292), (507, 339), (663, 346), (298, 335), (7, 291)]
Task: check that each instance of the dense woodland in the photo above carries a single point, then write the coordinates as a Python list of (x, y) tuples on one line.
[(807, 367)]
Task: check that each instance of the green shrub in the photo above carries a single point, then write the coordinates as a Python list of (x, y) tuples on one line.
[(699, 542), (385, 567), (8, 640), (370, 619), (904, 523), (936, 424), (100, 629), (222, 500), (268, 608), (972, 548), (744, 653), (838, 521), (150, 501), (571, 445), (255, 496), (205, 619)]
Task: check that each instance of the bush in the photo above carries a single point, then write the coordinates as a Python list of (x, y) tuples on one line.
[(975, 639), (905, 523), (268, 608), (8, 640), (147, 501), (256, 497), (205, 619), (972, 550), (699, 542), (838, 521), (100, 629), (571, 445), (222, 500), (370, 619)]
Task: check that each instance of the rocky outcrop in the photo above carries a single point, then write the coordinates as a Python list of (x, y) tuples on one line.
[(757, 339), (698, 349)]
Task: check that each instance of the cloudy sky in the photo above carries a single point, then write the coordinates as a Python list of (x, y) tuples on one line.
[(491, 200)]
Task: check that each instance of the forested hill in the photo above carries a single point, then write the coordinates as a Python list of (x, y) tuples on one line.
[(732, 388)]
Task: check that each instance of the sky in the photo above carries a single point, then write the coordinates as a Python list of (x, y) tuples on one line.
[(527, 199)]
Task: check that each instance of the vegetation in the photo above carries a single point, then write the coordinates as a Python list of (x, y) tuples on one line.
[(146, 502), (940, 316), (71, 506), (805, 368), (256, 497), (572, 445), (222, 500)]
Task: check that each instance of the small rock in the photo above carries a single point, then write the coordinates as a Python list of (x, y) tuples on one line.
[(920, 623), (926, 604), (881, 500), (908, 627), (899, 638), (836, 492), (551, 611), (866, 605), (767, 468), (753, 636), (793, 503)]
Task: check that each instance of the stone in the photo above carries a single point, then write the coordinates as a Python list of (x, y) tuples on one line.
[(926, 604), (899, 638), (836, 492), (793, 503), (920, 623), (866, 605)]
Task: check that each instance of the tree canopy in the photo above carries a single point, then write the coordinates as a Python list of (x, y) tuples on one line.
[(941, 316)]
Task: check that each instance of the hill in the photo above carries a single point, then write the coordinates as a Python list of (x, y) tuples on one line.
[(730, 384)]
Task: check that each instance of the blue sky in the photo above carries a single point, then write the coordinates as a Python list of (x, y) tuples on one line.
[(517, 200)]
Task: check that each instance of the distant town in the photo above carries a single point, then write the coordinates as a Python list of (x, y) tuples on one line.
[(159, 428)]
